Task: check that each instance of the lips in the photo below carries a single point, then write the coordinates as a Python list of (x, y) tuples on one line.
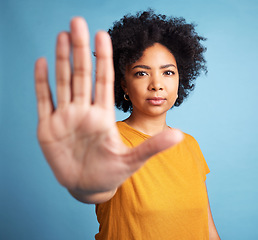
[(156, 98), (156, 101)]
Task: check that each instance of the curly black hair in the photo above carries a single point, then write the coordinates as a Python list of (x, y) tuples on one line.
[(133, 34)]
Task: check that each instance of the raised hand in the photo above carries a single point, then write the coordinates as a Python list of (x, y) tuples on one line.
[(79, 137)]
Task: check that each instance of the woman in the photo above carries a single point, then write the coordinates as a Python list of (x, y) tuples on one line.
[(156, 60)]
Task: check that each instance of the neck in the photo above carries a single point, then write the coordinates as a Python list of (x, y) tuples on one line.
[(147, 124)]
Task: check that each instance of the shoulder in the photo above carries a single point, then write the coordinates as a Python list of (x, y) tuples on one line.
[(129, 135), (190, 142), (189, 138), (123, 128), (120, 125)]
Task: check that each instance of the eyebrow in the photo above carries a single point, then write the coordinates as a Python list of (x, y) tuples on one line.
[(147, 67), (167, 65)]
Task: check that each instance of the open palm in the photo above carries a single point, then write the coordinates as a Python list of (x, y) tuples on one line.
[(79, 138)]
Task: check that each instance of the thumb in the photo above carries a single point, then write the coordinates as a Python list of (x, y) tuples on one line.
[(168, 138)]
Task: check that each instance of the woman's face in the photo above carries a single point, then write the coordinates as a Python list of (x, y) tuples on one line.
[(152, 81)]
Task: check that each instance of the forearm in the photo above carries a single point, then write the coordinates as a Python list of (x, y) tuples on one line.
[(94, 198)]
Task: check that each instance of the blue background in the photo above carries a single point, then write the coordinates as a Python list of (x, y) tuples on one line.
[(221, 113)]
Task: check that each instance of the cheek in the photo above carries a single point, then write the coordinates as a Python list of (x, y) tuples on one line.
[(136, 88), (173, 93), (136, 94), (173, 87)]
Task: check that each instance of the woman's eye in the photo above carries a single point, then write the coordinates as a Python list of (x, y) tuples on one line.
[(169, 73), (140, 74)]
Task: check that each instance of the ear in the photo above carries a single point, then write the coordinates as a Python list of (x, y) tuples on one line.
[(123, 85)]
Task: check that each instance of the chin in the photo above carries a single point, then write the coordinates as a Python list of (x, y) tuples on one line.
[(156, 112)]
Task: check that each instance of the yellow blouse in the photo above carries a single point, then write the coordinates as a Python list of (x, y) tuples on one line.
[(165, 199)]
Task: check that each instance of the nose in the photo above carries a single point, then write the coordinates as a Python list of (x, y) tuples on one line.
[(156, 83)]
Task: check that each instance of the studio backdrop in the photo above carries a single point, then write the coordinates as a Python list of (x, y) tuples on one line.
[(221, 113)]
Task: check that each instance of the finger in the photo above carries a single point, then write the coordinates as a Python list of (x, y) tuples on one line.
[(154, 145), (104, 94), (81, 61), (44, 98), (63, 70)]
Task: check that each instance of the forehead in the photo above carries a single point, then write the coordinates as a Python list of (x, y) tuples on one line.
[(156, 54)]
